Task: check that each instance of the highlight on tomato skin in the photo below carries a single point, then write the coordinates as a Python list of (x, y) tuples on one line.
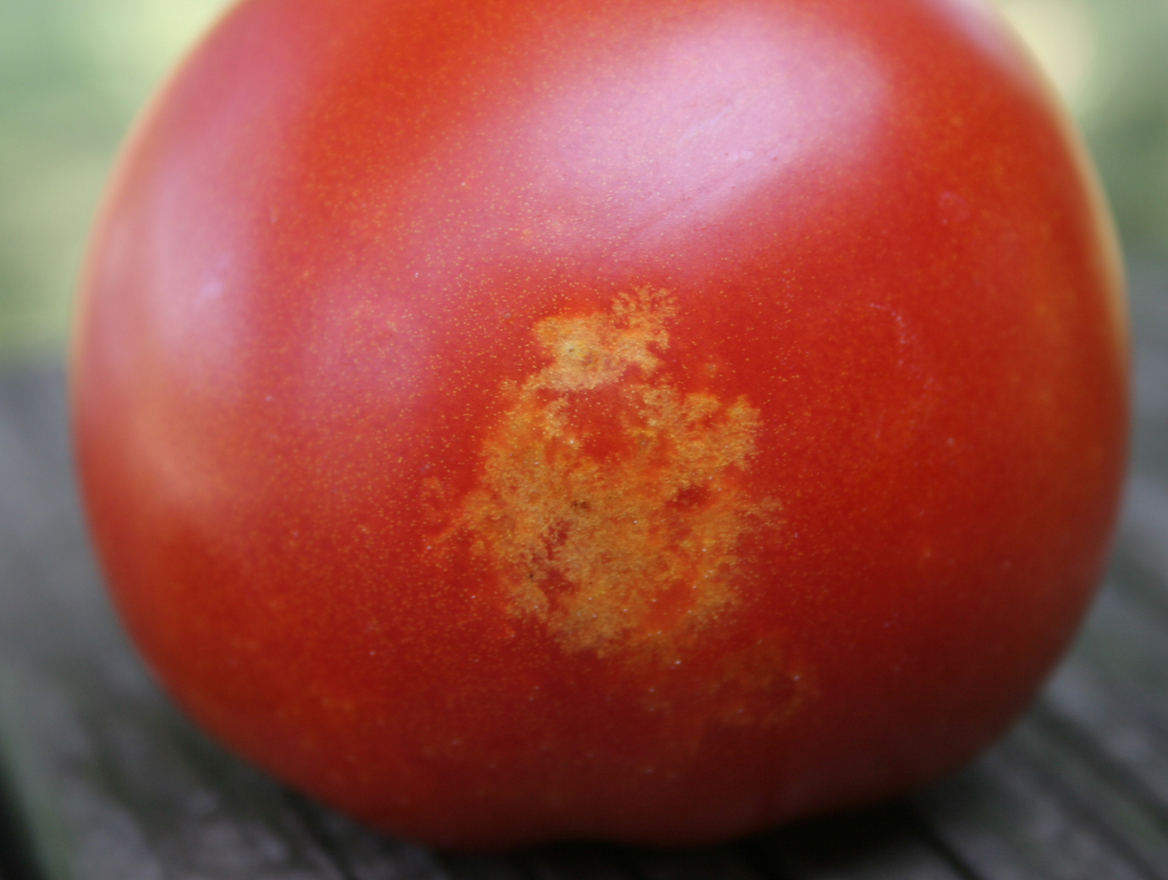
[(647, 420)]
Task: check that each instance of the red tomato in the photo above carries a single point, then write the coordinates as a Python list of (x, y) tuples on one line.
[(641, 419)]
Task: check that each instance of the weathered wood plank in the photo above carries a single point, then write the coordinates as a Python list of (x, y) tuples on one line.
[(1006, 820), (1117, 724), (363, 854)]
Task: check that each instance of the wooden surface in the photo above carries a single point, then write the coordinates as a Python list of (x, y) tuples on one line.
[(108, 782)]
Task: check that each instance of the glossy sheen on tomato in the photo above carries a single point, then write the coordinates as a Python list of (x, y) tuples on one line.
[(524, 419)]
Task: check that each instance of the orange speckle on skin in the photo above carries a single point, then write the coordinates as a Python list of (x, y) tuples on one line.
[(611, 504)]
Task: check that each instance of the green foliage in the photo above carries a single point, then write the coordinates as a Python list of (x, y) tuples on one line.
[(72, 75), (1109, 58), (1127, 125)]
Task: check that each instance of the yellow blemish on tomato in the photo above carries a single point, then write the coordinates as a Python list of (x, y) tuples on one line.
[(611, 503)]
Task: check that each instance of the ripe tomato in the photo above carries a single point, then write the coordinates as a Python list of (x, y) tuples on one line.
[(642, 419)]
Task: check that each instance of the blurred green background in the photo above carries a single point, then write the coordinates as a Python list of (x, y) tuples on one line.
[(72, 75), (74, 72)]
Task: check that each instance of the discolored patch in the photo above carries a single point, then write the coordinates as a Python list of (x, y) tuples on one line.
[(611, 504)]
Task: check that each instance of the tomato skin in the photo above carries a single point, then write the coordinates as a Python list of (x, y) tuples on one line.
[(428, 352)]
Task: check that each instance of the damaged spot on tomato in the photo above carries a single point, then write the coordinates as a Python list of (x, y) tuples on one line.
[(611, 504)]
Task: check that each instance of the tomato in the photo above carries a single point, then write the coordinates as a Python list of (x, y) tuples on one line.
[(651, 420)]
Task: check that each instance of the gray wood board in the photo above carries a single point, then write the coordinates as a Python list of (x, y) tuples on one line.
[(109, 780)]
